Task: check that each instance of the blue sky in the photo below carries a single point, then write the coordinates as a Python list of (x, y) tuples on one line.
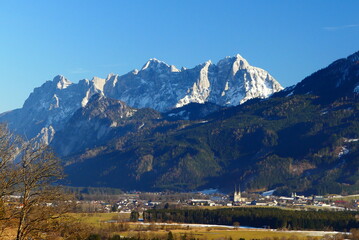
[(85, 38)]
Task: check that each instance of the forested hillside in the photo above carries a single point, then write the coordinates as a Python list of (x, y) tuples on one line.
[(303, 139)]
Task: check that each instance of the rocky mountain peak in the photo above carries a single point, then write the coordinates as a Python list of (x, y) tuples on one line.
[(240, 62), (101, 106), (158, 66), (61, 82), (111, 76), (157, 85), (231, 60), (99, 83), (354, 57), (154, 64)]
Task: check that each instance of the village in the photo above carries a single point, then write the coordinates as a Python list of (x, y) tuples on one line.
[(135, 211), (142, 201)]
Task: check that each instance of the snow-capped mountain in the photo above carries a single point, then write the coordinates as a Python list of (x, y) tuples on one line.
[(160, 86), (50, 105), (157, 85), (302, 139)]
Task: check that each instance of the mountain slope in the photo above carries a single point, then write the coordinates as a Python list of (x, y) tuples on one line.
[(338, 80), (91, 125), (297, 140)]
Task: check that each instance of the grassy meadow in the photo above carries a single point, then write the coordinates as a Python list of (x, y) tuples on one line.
[(113, 223)]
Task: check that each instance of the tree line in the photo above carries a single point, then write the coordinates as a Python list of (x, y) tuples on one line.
[(259, 217)]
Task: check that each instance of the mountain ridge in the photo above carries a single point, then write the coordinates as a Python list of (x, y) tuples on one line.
[(157, 85), (294, 141), (301, 139)]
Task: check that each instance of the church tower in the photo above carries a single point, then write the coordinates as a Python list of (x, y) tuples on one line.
[(237, 194)]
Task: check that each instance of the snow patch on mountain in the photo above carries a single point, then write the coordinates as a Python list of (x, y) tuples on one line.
[(62, 82), (98, 83), (200, 90), (46, 135), (162, 87), (351, 140), (157, 85), (356, 89), (155, 64), (343, 151)]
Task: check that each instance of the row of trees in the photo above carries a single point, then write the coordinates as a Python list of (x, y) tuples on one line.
[(259, 217), (30, 203)]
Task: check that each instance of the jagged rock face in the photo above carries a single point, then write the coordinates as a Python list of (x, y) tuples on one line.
[(91, 125), (59, 99), (162, 87), (157, 85), (49, 106), (152, 87)]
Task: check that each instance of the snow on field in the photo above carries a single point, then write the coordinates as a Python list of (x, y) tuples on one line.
[(305, 233)]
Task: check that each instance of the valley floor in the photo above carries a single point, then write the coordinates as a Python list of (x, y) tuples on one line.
[(146, 230), (111, 224)]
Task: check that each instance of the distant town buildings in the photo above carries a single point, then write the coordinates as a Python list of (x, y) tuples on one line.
[(128, 202)]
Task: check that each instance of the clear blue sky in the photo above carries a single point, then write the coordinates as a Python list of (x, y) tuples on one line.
[(85, 38)]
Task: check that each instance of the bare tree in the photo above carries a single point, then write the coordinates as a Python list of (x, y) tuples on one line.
[(41, 202), (9, 147), (30, 171)]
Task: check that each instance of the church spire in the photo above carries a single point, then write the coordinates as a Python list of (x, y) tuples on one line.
[(237, 194)]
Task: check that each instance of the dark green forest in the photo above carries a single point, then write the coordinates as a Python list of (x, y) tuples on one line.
[(291, 144), (259, 217)]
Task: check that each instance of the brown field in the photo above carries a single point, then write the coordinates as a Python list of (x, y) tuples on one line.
[(115, 223), (99, 220), (212, 234)]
